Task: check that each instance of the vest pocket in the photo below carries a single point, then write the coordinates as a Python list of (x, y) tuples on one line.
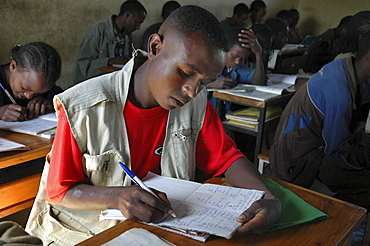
[(98, 167), (55, 225)]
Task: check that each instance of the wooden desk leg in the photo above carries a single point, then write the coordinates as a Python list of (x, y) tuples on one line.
[(261, 125)]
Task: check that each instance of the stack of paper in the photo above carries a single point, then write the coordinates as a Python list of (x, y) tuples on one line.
[(250, 117)]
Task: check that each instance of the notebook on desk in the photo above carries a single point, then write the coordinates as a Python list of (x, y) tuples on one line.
[(43, 126)]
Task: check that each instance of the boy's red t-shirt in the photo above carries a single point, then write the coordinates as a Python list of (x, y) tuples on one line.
[(215, 151)]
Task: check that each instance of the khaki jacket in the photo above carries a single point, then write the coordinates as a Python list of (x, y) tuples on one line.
[(97, 123)]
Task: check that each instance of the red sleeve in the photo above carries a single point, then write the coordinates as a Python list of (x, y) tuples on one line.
[(65, 163), (216, 151)]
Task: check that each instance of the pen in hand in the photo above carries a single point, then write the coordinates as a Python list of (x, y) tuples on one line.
[(140, 183)]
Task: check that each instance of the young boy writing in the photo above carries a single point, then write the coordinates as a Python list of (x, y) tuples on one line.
[(152, 120)]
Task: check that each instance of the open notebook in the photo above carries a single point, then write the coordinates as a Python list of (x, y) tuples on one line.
[(201, 209), (43, 126)]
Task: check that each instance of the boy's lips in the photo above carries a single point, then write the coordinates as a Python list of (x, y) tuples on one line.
[(179, 102)]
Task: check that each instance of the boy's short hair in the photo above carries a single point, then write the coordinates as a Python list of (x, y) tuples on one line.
[(257, 5), (134, 7), (190, 18), (240, 9), (232, 36)]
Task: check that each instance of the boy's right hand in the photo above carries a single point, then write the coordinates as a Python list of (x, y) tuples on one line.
[(139, 205), (12, 113), (222, 83)]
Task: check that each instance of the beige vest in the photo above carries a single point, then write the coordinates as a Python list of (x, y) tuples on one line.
[(97, 123)]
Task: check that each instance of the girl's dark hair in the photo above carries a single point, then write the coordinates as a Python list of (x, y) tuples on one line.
[(38, 57), (232, 36)]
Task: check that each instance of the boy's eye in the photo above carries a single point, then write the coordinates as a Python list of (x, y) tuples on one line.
[(184, 74)]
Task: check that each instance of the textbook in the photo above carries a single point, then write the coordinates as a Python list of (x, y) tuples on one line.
[(43, 126), (8, 145), (201, 209), (277, 84), (250, 117)]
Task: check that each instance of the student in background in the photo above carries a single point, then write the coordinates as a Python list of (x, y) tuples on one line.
[(29, 82), (324, 48), (321, 131), (131, 112), (167, 9), (265, 37), (258, 11), (294, 36), (280, 30), (241, 42), (285, 16), (240, 17), (109, 41)]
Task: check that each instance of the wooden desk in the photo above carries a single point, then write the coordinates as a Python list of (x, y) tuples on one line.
[(20, 194), (343, 219), (262, 105), (109, 69)]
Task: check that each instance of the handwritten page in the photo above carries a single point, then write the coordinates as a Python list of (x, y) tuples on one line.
[(199, 207), (34, 126), (7, 145), (213, 209)]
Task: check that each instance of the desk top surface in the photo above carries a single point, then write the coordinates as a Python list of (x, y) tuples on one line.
[(343, 219), (39, 148)]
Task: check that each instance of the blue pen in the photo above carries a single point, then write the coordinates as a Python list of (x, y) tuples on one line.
[(140, 183), (8, 94)]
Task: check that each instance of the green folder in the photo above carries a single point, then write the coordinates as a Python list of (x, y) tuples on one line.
[(295, 210)]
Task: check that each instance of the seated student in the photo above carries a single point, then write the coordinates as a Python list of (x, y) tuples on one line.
[(280, 30), (241, 43), (285, 16), (167, 9), (29, 79), (109, 41), (321, 133), (240, 17), (258, 11), (265, 37), (84, 176), (294, 36), (324, 48)]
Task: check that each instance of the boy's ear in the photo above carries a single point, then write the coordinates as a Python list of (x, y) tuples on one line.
[(12, 66), (154, 45)]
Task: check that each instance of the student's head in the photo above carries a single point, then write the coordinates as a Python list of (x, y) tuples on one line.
[(342, 28), (168, 8), (188, 52), (34, 69), (265, 37), (240, 15), (360, 34), (258, 11), (280, 29), (285, 16), (237, 53), (295, 17), (134, 13)]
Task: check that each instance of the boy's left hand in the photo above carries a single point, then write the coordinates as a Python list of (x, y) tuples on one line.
[(38, 106), (260, 216), (249, 40)]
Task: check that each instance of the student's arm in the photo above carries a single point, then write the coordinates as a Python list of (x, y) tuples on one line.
[(66, 185), (263, 213), (249, 40)]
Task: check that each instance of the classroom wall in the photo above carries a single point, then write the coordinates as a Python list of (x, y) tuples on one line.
[(63, 23)]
